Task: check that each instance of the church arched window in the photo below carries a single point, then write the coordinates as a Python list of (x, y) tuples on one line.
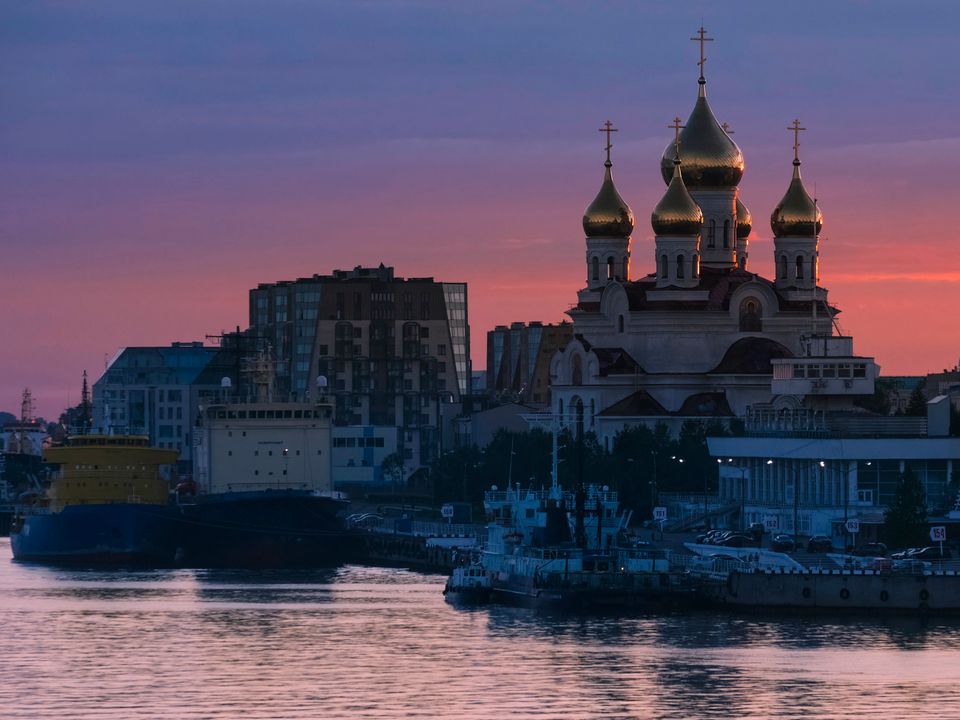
[(751, 319), (626, 268), (560, 400), (783, 267), (577, 371), (609, 268), (680, 260), (712, 234), (596, 268), (694, 262), (579, 418), (726, 234), (663, 266), (799, 267), (620, 324)]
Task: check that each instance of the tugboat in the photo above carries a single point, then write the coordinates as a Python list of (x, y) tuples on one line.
[(468, 583), (568, 550), (264, 492), (108, 504), (545, 548)]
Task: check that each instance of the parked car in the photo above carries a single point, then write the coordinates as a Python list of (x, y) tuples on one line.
[(903, 554), (782, 543), (931, 553), (911, 566), (871, 549), (738, 541), (819, 543), (713, 537)]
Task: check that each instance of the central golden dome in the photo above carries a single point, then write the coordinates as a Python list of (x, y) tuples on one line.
[(796, 215), (608, 215), (710, 158), (677, 213)]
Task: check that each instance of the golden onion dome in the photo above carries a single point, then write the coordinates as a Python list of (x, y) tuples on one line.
[(744, 220), (711, 159), (608, 215), (677, 213), (796, 214)]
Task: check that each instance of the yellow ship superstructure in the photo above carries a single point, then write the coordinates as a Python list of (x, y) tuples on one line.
[(108, 469)]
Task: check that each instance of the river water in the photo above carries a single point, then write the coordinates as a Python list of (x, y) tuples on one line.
[(359, 642)]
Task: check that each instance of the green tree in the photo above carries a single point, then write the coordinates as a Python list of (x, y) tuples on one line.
[(906, 518), (879, 402), (392, 467), (453, 474), (917, 404)]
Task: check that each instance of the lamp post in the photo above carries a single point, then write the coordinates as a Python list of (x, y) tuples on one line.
[(743, 472)]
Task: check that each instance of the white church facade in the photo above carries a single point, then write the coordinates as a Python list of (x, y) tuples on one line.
[(701, 336)]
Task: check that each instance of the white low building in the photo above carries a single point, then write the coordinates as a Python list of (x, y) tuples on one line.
[(809, 475)]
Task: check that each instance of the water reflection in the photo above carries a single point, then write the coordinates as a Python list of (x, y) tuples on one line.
[(360, 642)]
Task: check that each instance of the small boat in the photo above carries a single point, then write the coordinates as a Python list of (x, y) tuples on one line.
[(468, 583)]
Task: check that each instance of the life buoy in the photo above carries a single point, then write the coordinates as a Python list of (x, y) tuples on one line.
[(845, 593), (924, 595), (884, 596)]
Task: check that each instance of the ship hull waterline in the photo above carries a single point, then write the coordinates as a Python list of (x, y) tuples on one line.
[(271, 528), (115, 534)]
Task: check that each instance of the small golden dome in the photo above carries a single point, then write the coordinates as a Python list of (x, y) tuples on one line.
[(744, 220), (608, 215), (711, 159), (676, 213), (796, 214)]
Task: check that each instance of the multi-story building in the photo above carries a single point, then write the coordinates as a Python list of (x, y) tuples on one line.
[(518, 359), (158, 391), (389, 350)]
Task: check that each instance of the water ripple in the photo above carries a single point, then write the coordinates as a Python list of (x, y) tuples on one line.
[(360, 642)]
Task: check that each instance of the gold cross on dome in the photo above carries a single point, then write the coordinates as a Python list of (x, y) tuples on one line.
[(702, 38), (726, 128), (796, 138), (677, 127), (608, 128)]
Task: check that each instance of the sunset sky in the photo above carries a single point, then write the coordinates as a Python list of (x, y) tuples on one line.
[(160, 158)]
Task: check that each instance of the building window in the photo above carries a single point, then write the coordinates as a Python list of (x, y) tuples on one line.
[(726, 234), (609, 268), (441, 349), (712, 234), (620, 323), (596, 268), (626, 269), (783, 267), (799, 268), (680, 261), (694, 261), (577, 370), (663, 266)]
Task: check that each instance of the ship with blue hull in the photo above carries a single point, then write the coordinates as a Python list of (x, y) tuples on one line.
[(108, 503)]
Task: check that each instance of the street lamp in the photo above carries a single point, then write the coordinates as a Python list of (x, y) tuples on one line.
[(743, 472)]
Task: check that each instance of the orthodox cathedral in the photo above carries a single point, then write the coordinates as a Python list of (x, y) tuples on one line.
[(702, 336)]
